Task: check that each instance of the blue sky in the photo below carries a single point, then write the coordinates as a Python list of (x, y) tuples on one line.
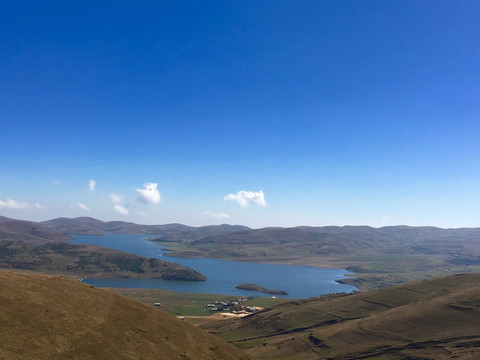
[(262, 113)]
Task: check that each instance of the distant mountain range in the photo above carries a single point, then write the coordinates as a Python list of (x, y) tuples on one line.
[(28, 231), (379, 256), (91, 226), (327, 238), (310, 242), (348, 237)]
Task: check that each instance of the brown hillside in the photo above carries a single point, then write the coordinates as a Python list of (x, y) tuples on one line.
[(431, 319), (89, 260), (379, 256), (45, 317), (174, 232), (28, 232), (25, 245)]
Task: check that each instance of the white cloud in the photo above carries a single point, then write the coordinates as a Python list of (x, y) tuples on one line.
[(116, 198), (217, 215), (91, 185), (38, 206), (12, 204), (117, 201), (80, 206), (120, 209), (150, 193), (243, 198)]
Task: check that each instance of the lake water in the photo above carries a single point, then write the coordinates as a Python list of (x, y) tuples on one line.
[(222, 275)]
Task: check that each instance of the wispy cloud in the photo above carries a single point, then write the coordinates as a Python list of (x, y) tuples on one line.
[(38, 206), (150, 193), (119, 209), (117, 201), (91, 185), (244, 198), (217, 215), (80, 206), (13, 204), (116, 198)]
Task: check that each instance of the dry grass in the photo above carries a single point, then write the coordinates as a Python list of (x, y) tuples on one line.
[(46, 317), (432, 319)]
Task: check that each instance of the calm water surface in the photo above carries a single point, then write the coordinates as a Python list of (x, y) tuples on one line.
[(222, 275)]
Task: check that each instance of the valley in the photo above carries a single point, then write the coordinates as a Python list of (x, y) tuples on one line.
[(435, 317), (240, 180), (378, 256)]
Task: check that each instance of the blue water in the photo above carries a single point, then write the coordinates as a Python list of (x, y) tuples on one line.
[(222, 275)]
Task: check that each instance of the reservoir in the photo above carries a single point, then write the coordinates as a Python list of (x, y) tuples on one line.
[(222, 275)]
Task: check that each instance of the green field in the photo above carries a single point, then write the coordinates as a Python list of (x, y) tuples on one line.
[(187, 304)]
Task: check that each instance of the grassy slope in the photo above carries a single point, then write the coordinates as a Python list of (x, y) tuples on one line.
[(47, 317), (87, 260), (431, 319), (190, 304), (29, 232)]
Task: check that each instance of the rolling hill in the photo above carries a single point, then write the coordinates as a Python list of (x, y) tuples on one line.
[(89, 261), (29, 246), (44, 317), (310, 242), (175, 232), (379, 256), (429, 319), (28, 232)]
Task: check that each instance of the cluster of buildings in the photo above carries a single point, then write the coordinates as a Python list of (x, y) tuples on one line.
[(234, 306)]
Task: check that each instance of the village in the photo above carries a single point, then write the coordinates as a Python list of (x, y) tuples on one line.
[(234, 306)]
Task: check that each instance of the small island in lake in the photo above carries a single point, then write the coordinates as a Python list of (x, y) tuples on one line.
[(255, 287)]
